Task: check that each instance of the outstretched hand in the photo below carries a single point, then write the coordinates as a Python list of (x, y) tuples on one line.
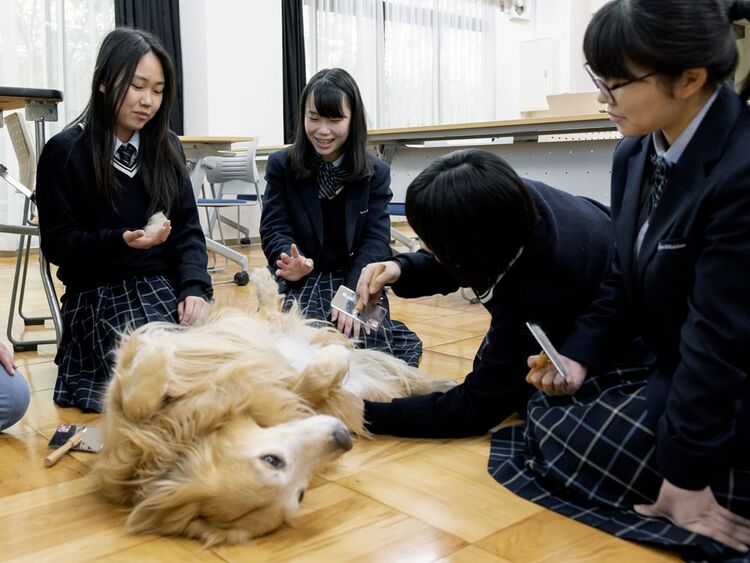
[(293, 266), (143, 240), (698, 511)]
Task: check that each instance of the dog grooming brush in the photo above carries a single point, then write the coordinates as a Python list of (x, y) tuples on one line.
[(71, 437), (346, 302)]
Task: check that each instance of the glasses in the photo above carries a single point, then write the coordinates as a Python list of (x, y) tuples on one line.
[(607, 90)]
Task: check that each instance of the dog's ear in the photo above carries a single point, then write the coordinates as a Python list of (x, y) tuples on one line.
[(168, 508)]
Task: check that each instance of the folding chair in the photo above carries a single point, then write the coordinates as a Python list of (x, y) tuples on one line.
[(412, 244), (28, 229), (219, 171)]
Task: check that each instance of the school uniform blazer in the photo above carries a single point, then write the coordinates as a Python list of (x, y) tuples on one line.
[(292, 214), (552, 283), (688, 294)]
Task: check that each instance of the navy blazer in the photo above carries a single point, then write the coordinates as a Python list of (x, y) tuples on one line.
[(687, 294), (292, 214), (552, 283)]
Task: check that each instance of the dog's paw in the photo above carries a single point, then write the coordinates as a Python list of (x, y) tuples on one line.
[(145, 380), (325, 371)]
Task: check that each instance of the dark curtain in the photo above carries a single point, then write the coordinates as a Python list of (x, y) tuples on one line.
[(293, 39), (162, 18)]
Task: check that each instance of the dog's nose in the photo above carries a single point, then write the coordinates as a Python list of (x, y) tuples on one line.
[(342, 438)]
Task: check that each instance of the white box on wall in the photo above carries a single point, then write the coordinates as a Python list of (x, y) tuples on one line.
[(520, 10), (539, 72)]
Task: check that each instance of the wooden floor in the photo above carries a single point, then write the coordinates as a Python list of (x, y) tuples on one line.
[(387, 500)]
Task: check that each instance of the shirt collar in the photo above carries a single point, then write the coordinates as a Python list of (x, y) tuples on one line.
[(135, 140), (673, 153)]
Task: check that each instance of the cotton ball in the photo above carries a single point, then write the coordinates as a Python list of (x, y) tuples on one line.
[(155, 224)]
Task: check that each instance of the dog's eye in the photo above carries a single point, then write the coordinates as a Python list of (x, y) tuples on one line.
[(273, 461)]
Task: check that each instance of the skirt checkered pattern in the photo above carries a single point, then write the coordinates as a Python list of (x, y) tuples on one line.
[(591, 457), (93, 321), (314, 299)]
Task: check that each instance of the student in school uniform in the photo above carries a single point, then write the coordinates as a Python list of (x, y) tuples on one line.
[(98, 182), (14, 391), (325, 211), (663, 457), (530, 252)]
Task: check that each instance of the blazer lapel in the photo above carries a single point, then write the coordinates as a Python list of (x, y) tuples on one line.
[(688, 177), (357, 199), (308, 194), (626, 226)]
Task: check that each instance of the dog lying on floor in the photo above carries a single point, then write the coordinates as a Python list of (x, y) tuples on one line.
[(214, 431)]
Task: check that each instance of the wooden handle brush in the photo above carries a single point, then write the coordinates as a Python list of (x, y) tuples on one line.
[(541, 361), (72, 442)]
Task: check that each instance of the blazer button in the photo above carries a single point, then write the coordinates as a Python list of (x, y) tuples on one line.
[(351, 254)]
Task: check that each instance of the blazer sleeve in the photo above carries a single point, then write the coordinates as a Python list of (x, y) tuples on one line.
[(58, 194), (374, 242), (605, 332), (494, 389), (276, 232), (422, 274), (188, 245), (709, 382)]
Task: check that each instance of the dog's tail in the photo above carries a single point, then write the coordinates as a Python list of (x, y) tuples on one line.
[(377, 376)]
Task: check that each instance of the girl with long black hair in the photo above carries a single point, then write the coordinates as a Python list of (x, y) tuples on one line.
[(98, 182)]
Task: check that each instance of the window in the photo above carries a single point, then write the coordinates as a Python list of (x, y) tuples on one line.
[(47, 44), (417, 62)]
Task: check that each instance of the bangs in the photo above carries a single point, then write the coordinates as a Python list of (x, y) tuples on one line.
[(328, 99), (610, 43)]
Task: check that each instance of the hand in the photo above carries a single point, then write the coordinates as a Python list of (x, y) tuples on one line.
[(140, 240), (7, 361), (699, 512), (294, 267), (347, 325), (374, 277), (190, 309), (546, 378)]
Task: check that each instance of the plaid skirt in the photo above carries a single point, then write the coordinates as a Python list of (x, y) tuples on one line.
[(314, 299), (93, 321), (591, 457)]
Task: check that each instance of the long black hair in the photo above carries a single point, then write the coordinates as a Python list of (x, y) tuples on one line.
[(161, 164), (474, 212), (329, 87), (667, 37)]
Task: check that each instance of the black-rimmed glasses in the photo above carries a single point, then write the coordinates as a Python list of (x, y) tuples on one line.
[(607, 90)]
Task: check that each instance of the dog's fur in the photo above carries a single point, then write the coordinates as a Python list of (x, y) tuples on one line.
[(214, 431)]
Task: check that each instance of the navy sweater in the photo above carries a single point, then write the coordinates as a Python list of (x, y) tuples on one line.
[(83, 236), (553, 281)]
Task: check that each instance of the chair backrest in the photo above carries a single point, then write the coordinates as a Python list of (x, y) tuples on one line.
[(220, 169), (24, 149)]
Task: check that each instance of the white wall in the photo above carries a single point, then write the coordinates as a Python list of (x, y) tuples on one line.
[(232, 68), (563, 20)]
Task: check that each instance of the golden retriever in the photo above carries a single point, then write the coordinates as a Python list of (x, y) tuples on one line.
[(214, 431)]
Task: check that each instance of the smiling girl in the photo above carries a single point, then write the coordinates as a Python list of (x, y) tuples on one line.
[(98, 182), (325, 215)]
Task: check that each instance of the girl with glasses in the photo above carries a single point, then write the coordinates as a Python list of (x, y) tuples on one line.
[(659, 454)]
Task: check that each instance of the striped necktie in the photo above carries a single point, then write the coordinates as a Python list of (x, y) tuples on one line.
[(126, 155), (659, 180), (330, 178)]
